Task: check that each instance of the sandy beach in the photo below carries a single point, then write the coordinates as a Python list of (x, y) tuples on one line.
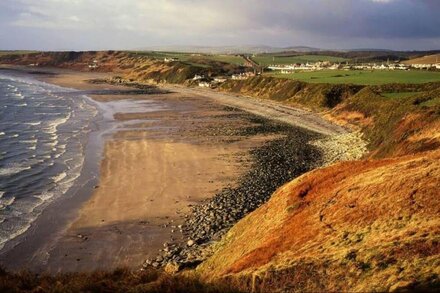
[(160, 157)]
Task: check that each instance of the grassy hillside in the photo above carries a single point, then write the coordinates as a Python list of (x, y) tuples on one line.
[(429, 59), (190, 57), (269, 59), (389, 124), (140, 66), (362, 77), (369, 55), (369, 225), (120, 280), (352, 227), (15, 52)]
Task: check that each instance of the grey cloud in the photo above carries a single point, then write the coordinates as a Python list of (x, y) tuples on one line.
[(53, 24)]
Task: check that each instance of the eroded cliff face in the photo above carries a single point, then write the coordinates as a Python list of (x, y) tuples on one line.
[(355, 226), (392, 126), (368, 225), (130, 65)]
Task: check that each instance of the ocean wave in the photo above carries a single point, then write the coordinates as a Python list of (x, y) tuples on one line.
[(33, 123), (22, 105), (59, 177), (12, 235), (13, 169), (19, 96), (56, 156), (52, 128), (52, 108), (33, 141), (5, 202), (47, 113), (45, 196), (52, 143)]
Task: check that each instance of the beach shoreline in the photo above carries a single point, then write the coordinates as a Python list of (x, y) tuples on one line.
[(88, 231), (157, 155)]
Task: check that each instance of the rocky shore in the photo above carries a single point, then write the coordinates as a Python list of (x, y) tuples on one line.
[(273, 164), (295, 151), (343, 147)]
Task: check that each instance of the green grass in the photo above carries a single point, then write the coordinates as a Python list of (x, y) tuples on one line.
[(266, 60), (431, 103), (399, 95), (189, 57), (363, 77), (161, 55), (15, 52), (232, 59)]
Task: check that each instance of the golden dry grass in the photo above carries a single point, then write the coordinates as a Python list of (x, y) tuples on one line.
[(373, 223)]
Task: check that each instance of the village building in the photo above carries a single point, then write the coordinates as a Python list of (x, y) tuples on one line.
[(169, 59), (219, 79), (242, 76), (198, 77), (204, 84)]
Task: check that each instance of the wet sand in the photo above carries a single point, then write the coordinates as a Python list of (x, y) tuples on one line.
[(156, 162)]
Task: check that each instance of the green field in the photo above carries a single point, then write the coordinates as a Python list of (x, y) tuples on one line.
[(18, 52), (363, 77), (189, 57), (266, 60)]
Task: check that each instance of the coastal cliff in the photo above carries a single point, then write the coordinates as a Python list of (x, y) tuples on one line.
[(365, 225), (355, 226)]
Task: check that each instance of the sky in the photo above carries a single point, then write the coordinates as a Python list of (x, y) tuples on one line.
[(136, 24)]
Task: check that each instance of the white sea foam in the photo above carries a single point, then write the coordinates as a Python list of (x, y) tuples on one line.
[(45, 196), (52, 143), (59, 177), (13, 235), (13, 169), (15, 135), (26, 209), (5, 202), (33, 123), (19, 96), (52, 128), (22, 105), (32, 141)]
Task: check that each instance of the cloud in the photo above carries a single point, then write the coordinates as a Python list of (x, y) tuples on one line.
[(136, 23)]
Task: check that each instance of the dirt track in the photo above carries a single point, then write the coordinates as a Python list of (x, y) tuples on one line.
[(268, 109)]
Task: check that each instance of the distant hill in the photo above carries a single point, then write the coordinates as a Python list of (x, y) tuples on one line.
[(429, 59), (249, 49), (362, 55)]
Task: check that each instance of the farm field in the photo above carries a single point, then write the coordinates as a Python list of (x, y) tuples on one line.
[(189, 57), (430, 59), (266, 60), (363, 77), (15, 52)]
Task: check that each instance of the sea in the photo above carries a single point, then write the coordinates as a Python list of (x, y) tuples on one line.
[(43, 132)]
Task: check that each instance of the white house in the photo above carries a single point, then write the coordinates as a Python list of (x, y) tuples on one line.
[(166, 59), (198, 77), (204, 84), (219, 79)]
